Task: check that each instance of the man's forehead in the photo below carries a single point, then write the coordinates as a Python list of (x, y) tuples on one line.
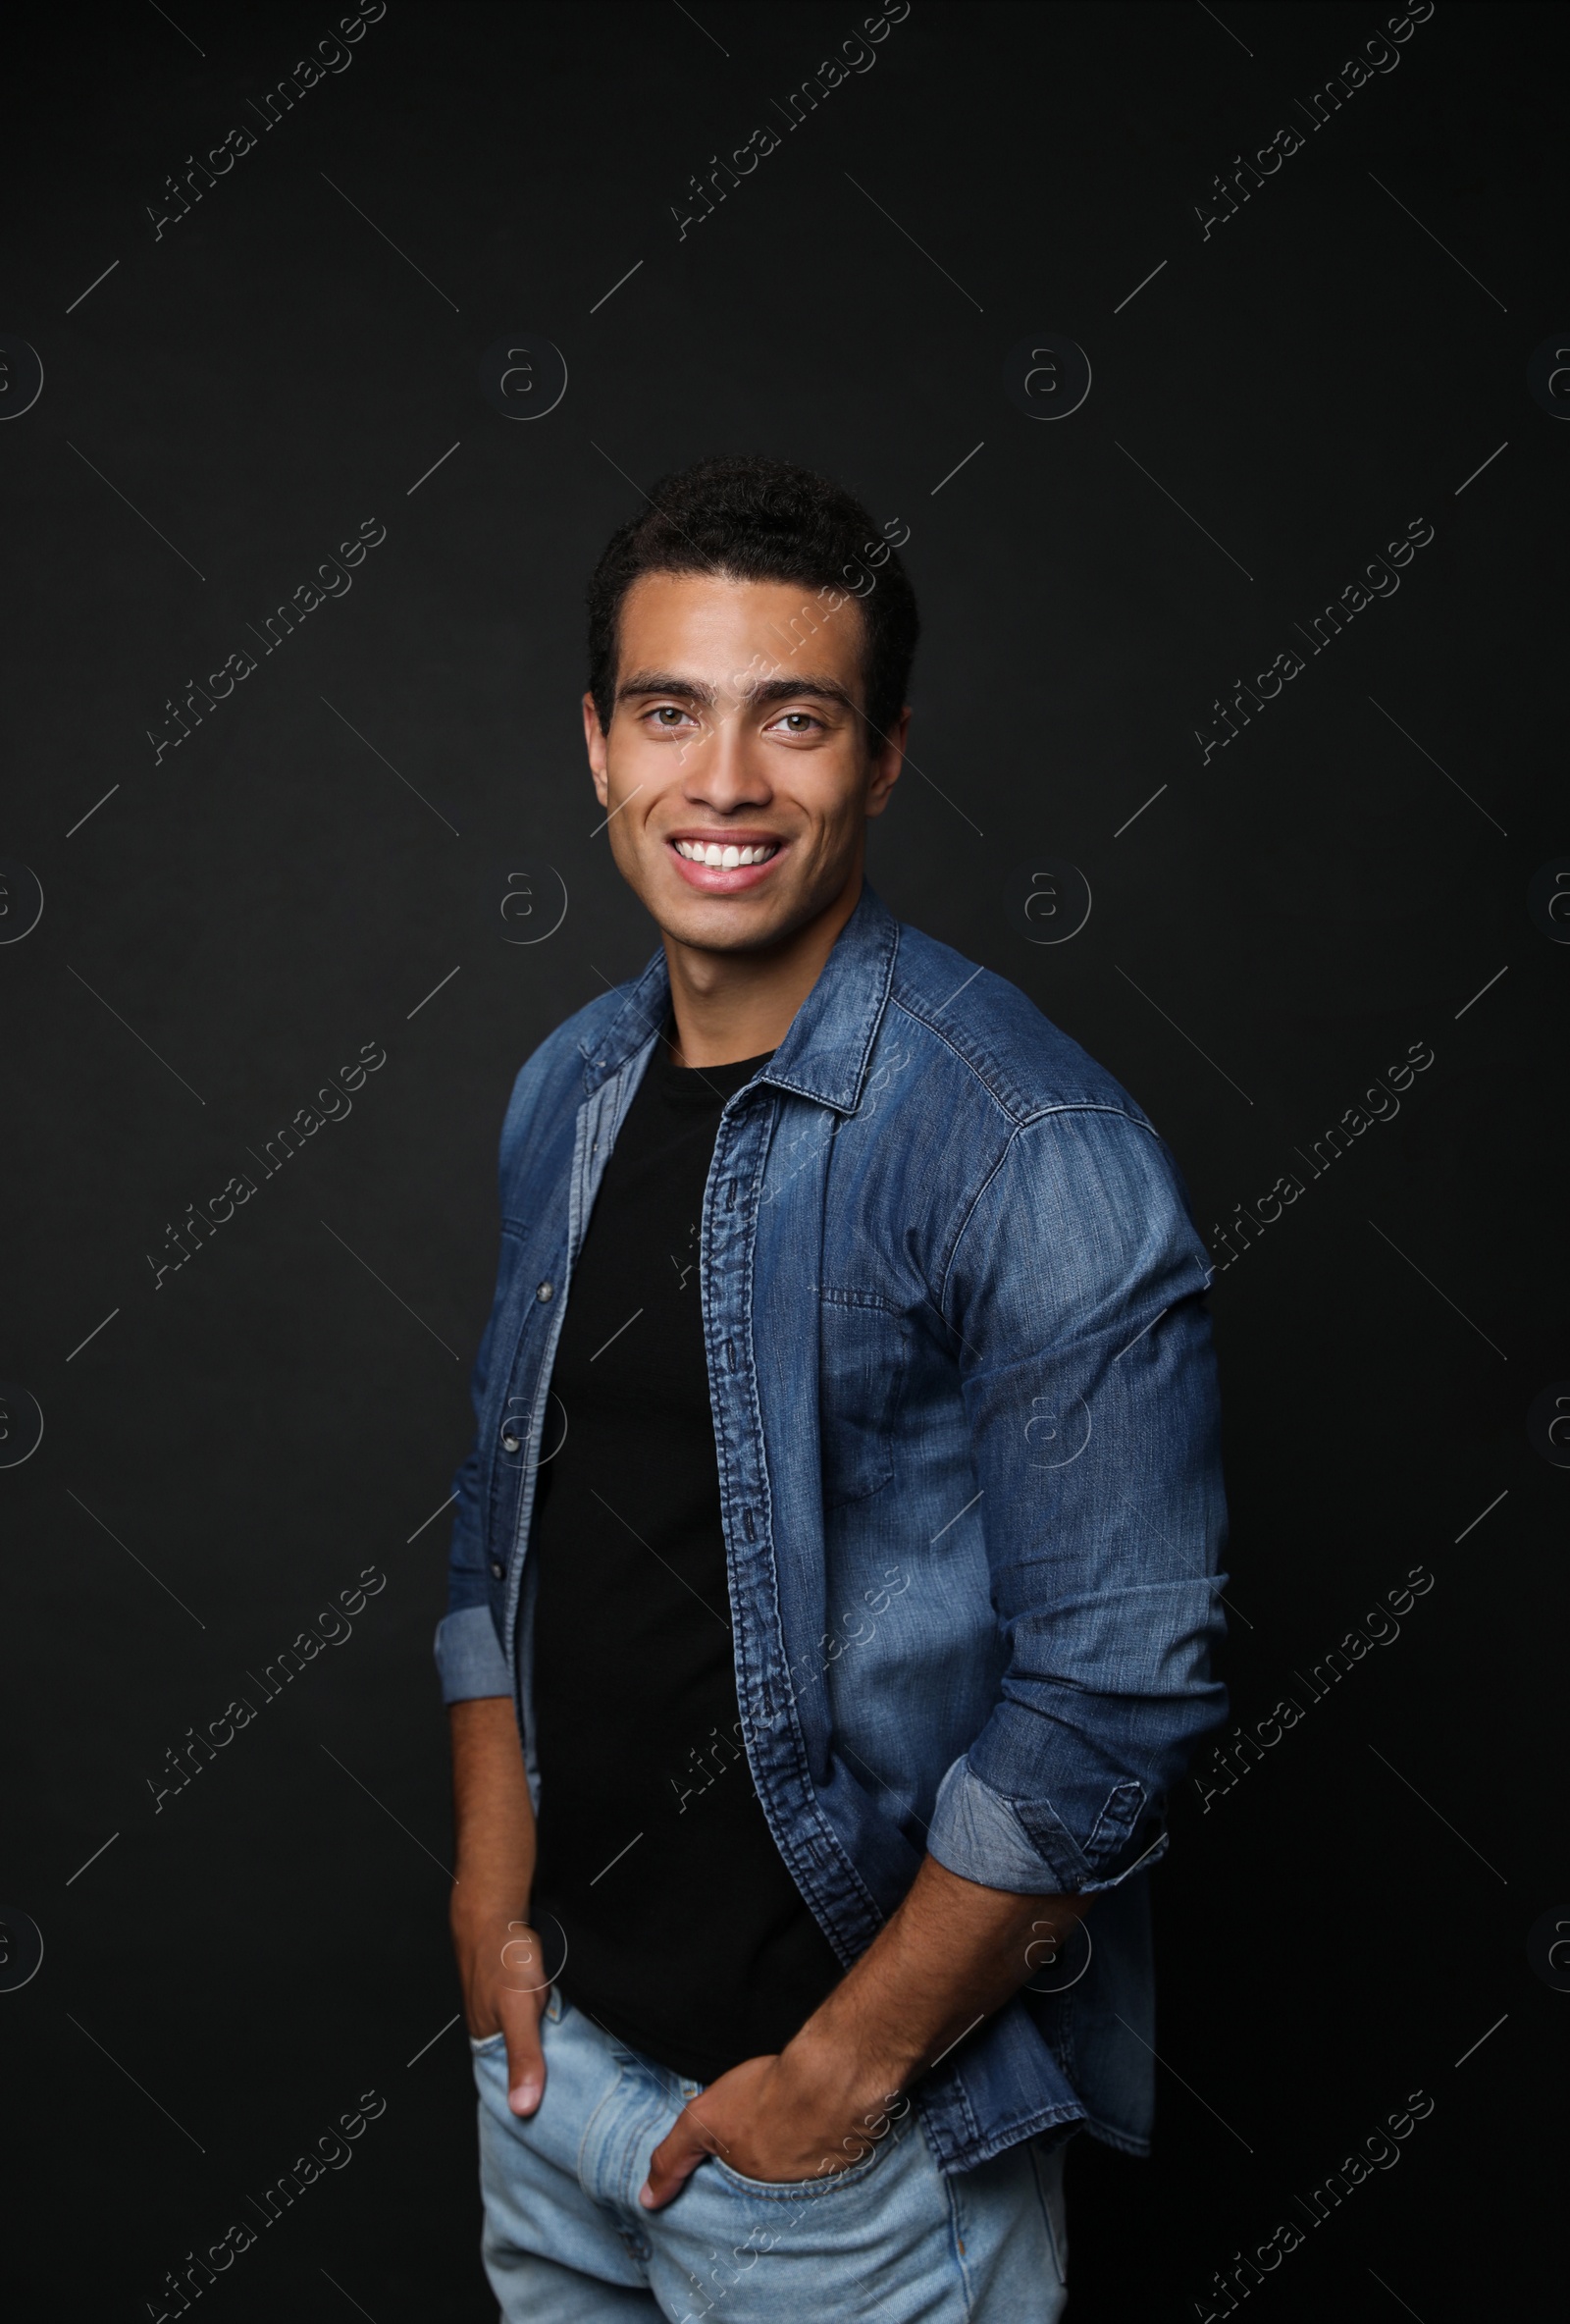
[(716, 635)]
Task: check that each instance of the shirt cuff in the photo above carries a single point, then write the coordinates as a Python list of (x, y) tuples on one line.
[(977, 1833), (469, 1657)]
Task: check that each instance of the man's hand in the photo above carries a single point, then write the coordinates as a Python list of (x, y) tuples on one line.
[(505, 1989), (501, 1960), (781, 2118), (950, 1954)]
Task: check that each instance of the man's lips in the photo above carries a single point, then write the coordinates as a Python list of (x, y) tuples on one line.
[(722, 878)]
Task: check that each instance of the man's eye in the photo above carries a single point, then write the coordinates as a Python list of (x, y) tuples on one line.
[(667, 715), (798, 721)]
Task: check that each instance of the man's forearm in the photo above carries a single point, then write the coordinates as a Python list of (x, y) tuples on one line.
[(950, 1955), (499, 1958), (491, 1812)]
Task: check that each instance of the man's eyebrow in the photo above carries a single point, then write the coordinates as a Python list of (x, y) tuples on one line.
[(658, 681), (769, 690), (761, 692)]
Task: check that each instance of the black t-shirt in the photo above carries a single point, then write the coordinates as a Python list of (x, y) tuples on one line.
[(685, 1934)]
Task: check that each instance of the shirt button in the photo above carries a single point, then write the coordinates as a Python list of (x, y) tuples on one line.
[(544, 1292), (510, 1443), (495, 1571)]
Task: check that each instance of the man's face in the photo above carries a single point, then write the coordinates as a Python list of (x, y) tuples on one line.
[(734, 733)]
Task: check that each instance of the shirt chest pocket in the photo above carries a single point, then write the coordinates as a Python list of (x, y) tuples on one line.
[(864, 1355)]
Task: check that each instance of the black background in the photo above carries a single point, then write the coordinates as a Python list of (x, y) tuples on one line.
[(1275, 927)]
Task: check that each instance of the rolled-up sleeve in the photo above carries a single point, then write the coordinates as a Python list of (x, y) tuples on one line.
[(468, 1655), (1077, 1290)]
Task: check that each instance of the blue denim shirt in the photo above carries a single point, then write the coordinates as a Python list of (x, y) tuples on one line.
[(965, 1414)]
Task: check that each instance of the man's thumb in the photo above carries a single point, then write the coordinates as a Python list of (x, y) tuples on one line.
[(526, 2065)]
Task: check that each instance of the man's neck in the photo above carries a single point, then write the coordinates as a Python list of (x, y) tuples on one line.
[(731, 1005)]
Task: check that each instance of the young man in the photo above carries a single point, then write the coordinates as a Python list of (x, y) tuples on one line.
[(834, 1575)]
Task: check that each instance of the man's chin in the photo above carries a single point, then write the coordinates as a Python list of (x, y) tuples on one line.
[(726, 923)]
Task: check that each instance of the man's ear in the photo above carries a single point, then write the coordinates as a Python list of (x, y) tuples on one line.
[(594, 735), (887, 760)]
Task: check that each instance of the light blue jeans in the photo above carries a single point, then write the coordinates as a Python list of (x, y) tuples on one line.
[(890, 2240)]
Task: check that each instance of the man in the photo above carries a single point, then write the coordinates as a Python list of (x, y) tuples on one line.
[(834, 1574)]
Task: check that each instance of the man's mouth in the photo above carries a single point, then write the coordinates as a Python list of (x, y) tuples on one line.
[(726, 857), (723, 866)]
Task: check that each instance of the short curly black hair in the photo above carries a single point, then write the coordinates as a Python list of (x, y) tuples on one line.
[(759, 520)]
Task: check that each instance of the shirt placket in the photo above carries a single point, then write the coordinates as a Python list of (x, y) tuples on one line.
[(600, 1117)]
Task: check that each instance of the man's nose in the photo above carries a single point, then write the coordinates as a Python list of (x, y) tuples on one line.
[(725, 768)]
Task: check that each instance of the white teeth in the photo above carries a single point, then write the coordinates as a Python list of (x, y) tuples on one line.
[(728, 859)]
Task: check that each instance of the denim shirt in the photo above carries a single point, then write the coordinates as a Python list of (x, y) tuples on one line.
[(966, 1414)]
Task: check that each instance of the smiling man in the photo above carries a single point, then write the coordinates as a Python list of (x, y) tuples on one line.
[(835, 1570)]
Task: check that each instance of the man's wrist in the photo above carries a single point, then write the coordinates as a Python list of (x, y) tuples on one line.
[(472, 1909), (850, 2078)]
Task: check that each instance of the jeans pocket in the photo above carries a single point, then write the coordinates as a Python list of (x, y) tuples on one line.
[(795, 2190)]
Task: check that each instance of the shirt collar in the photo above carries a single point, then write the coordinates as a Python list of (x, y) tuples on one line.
[(827, 1051)]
